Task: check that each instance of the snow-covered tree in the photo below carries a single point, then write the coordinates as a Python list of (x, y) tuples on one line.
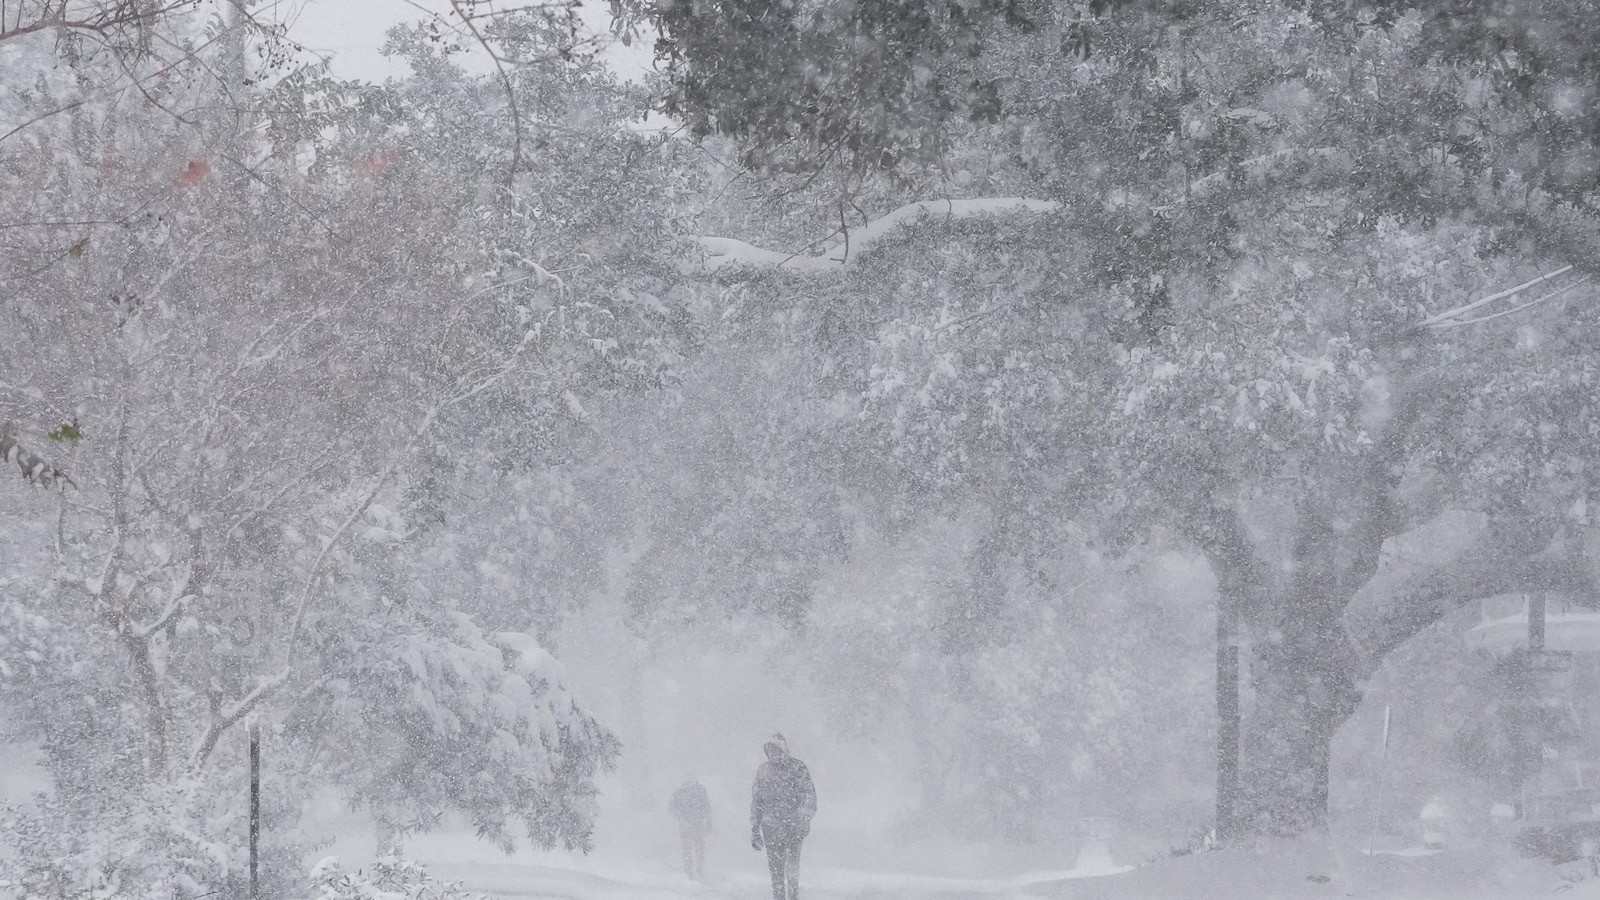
[(1305, 290), (270, 386)]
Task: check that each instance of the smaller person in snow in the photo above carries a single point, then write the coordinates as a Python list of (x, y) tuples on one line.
[(781, 806), (691, 806)]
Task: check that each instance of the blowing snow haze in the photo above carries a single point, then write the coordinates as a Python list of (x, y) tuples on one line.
[(1133, 449)]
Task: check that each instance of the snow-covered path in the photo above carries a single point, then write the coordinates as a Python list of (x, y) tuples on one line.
[(636, 858), (512, 881), (1281, 873)]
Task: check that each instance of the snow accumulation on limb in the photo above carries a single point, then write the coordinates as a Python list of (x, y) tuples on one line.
[(720, 252), (174, 608), (1550, 295), (224, 718), (1449, 318), (1457, 558), (33, 467)]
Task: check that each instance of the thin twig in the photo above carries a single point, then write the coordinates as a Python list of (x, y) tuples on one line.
[(511, 94)]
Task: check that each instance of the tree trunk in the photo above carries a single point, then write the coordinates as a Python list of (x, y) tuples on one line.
[(390, 839), (1306, 684), (1227, 821)]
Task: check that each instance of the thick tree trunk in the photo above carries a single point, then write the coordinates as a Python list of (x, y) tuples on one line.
[(155, 726), (1318, 624), (1227, 824), (1306, 682)]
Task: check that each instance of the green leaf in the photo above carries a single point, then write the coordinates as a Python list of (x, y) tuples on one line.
[(68, 432)]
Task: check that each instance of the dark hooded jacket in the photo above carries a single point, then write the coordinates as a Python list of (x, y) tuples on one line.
[(783, 799), (691, 806)]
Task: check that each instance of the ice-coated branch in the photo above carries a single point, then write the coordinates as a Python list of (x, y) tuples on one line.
[(720, 251), (1392, 423), (308, 586), (267, 504), (1244, 580)]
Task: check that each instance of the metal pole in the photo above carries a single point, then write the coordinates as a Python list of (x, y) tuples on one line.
[(255, 810), (1377, 798)]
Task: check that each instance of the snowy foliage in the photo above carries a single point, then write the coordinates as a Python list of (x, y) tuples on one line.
[(262, 391), (413, 698), (1252, 323), (388, 878), (112, 838), (985, 364)]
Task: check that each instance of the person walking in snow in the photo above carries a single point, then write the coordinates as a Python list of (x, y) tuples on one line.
[(782, 803), (691, 806)]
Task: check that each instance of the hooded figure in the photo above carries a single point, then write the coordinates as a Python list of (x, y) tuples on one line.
[(781, 806), (691, 806)]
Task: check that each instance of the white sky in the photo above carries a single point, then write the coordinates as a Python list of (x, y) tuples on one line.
[(352, 33)]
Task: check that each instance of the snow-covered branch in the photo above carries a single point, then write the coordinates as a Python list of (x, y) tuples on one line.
[(1551, 295), (1458, 558), (720, 251), (1450, 318), (224, 718), (95, 18), (33, 467), (174, 608), (308, 585)]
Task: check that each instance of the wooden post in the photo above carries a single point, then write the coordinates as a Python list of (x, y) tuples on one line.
[(1536, 622), (255, 810)]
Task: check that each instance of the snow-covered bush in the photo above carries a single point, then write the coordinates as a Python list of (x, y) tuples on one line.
[(389, 878), (422, 714), (157, 842)]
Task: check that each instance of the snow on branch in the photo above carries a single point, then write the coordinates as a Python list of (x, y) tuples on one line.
[(720, 251), (97, 17), (224, 718), (1456, 323), (175, 608), (1450, 317), (33, 467)]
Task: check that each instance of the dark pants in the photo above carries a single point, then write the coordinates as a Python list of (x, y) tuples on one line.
[(783, 860), (694, 851)]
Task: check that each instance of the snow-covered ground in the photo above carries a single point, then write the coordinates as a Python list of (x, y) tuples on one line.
[(636, 866), (1295, 872), (636, 855), (731, 875)]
